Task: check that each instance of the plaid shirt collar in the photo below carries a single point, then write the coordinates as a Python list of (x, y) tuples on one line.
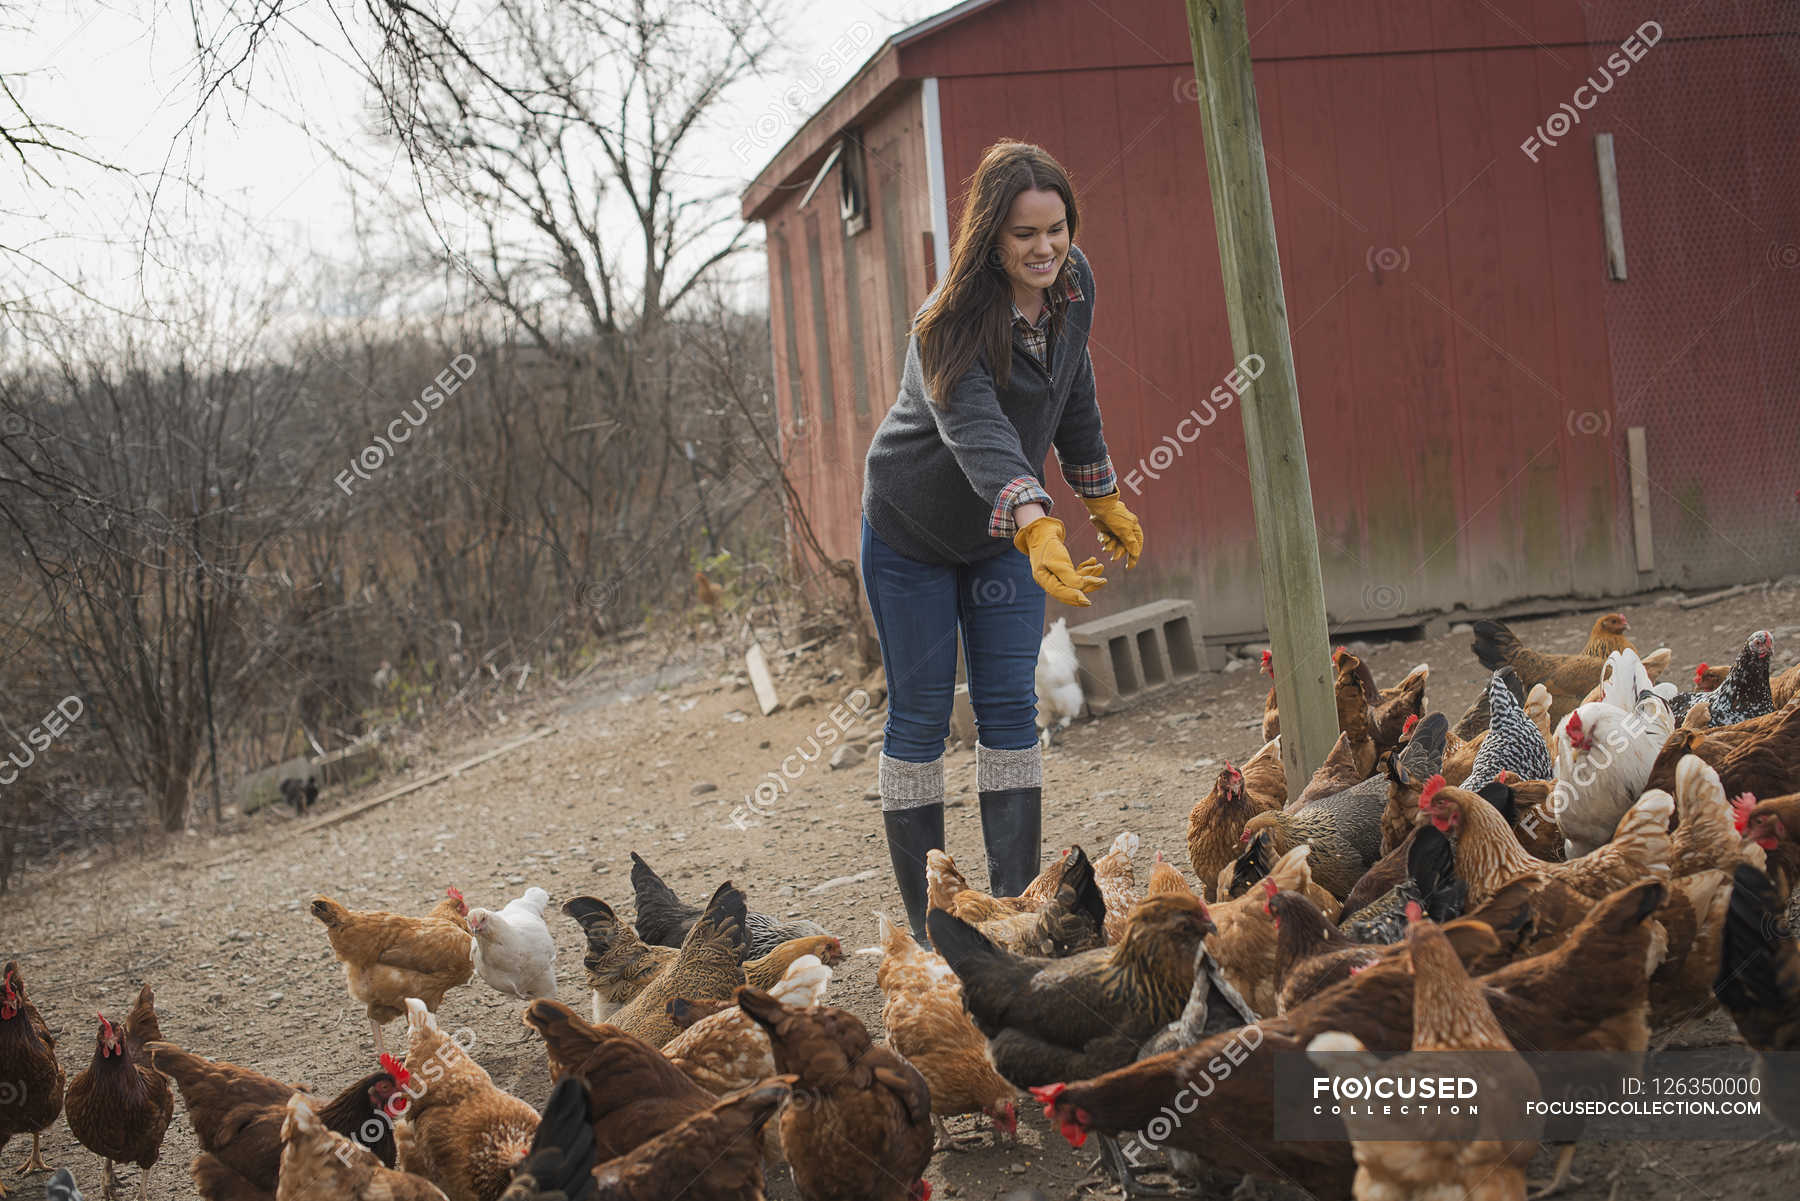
[(1036, 335), (1065, 288)]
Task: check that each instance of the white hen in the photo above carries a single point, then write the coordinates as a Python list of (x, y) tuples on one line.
[(1603, 756), (1059, 698), (514, 951)]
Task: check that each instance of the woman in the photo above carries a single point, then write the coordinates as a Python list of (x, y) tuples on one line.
[(957, 531)]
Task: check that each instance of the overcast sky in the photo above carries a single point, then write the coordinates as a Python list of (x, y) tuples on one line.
[(269, 192)]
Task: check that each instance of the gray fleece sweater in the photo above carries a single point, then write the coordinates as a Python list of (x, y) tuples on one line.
[(939, 485)]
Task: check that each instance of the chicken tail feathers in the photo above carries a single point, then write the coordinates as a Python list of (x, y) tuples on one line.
[(1749, 977), (597, 921), (1078, 873), (1494, 644), (562, 1151), (729, 914), (141, 1025)]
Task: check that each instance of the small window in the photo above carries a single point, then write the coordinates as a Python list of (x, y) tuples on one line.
[(853, 184)]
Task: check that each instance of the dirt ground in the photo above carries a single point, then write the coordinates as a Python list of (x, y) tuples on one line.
[(243, 973)]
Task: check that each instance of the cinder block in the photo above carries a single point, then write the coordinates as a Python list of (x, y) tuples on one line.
[(962, 716), (1130, 655)]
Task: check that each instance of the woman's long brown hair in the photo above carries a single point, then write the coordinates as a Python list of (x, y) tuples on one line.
[(972, 312)]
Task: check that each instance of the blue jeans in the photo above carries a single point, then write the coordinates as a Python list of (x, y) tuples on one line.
[(918, 609)]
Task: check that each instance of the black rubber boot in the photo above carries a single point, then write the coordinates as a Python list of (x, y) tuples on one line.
[(1012, 821), (911, 833)]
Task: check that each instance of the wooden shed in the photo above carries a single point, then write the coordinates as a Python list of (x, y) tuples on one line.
[(1486, 341)]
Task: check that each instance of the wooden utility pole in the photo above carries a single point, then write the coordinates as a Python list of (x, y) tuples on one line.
[(1293, 593)]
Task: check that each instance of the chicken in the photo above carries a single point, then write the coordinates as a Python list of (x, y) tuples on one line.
[(1271, 721), (1074, 919), (1705, 836), (1166, 880), (1430, 882), (1567, 677), (864, 1133), (1743, 693), (1760, 756), (1311, 953), (62, 1186), (1265, 778), (1590, 993), (636, 1093), (725, 1050), (663, 918), (619, 964), (389, 957), (1343, 829), (708, 967), (1512, 743), (513, 949), (695, 1161), (1213, 1005), (771, 969), (560, 1165), (1488, 856), (1759, 981), (1059, 698), (948, 890), (461, 1132), (1290, 871), (119, 1106), (1625, 678), (301, 795), (1603, 758), (1529, 807), (922, 1012), (1393, 709), (238, 1114), (1343, 768), (28, 1064), (1785, 687), (1450, 1014), (1118, 884), (1774, 826), (707, 592), (1694, 920), (1244, 939), (318, 1164), (1216, 821), (1353, 690), (1061, 1019)]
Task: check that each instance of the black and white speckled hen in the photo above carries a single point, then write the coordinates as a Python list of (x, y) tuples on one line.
[(1513, 741), (1743, 693), (664, 919)]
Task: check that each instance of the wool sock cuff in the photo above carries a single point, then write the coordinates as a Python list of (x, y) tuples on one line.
[(998, 769), (906, 785)]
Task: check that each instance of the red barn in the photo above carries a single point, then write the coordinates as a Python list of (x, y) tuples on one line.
[(1525, 246)]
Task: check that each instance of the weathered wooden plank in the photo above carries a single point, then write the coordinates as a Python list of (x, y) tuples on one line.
[(1640, 497), (1244, 219)]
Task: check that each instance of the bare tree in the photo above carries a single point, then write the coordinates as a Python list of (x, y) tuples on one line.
[(143, 490)]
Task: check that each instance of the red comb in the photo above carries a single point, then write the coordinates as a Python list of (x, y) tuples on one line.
[(1741, 806), (454, 892), (1432, 787), (395, 1068), (1269, 886), (1700, 675), (1414, 913), (1412, 719)]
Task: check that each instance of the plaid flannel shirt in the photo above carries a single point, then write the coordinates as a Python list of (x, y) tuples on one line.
[(1087, 479)]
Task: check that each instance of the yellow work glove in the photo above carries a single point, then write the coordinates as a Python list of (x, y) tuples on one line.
[(1120, 533), (1051, 566)]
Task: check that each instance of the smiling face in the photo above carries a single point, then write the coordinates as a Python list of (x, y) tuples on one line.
[(1033, 244)]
